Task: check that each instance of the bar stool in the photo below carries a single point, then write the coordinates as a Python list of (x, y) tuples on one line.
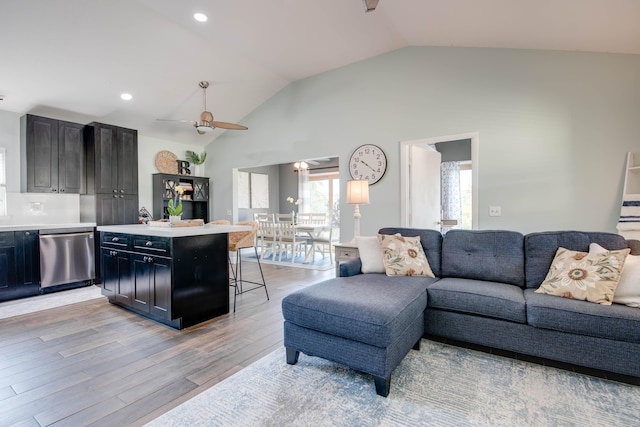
[(239, 240)]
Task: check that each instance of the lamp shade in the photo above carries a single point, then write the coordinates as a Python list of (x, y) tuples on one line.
[(358, 192)]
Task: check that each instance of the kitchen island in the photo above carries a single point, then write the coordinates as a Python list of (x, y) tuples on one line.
[(178, 276)]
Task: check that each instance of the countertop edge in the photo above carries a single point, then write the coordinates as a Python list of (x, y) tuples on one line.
[(146, 230), (39, 227)]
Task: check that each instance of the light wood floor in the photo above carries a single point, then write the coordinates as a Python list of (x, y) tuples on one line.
[(93, 363)]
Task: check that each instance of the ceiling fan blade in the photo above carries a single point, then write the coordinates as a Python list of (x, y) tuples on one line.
[(172, 120), (225, 125)]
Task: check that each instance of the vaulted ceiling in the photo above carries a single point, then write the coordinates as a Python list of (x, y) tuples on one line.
[(73, 58)]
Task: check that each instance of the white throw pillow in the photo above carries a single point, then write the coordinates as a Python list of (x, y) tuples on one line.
[(628, 290), (370, 254)]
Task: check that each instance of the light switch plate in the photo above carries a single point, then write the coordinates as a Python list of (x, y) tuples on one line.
[(495, 211)]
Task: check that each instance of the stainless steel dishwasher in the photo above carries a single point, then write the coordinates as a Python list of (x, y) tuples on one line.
[(66, 256)]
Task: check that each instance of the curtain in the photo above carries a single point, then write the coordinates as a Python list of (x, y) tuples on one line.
[(450, 188), (304, 190)]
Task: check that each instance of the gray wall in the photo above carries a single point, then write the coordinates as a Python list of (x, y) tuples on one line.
[(554, 128), (455, 151), (273, 172)]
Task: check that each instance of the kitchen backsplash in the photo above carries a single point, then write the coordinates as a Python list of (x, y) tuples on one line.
[(35, 208)]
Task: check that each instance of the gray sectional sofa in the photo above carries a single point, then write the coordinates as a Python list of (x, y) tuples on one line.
[(483, 294)]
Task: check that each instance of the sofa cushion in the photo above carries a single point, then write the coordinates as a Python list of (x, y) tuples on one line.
[(370, 254), (490, 299), (403, 256), (370, 308), (584, 276), (616, 322), (431, 241), (495, 256), (628, 290), (540, 249)]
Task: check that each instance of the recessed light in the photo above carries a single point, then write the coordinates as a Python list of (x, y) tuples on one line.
[(126, 96), (200, 17)]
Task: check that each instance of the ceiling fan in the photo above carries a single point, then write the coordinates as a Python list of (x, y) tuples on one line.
[(206, 123)]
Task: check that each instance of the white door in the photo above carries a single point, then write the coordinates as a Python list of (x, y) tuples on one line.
[(424, 187)]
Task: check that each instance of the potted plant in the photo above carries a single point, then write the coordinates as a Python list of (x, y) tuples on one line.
[(196, 160), (174, 207)]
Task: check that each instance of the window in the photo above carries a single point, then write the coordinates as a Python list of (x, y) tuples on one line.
[(325, 195), (3, 183)]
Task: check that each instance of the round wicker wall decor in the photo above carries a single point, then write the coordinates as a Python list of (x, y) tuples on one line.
[(166, 162)]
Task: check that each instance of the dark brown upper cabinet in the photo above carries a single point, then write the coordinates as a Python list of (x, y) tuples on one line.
[(112, 160), (111, 195), (52, 155)]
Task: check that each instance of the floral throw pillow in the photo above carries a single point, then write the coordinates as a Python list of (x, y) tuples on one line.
[(584, 276), (403, 256)]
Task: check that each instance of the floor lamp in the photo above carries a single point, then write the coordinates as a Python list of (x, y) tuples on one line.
[(357, 194)]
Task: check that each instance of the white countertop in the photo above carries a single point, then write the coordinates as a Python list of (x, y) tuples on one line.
[(25, 227), (148, 230)]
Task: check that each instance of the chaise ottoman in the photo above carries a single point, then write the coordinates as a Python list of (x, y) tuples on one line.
[(367, 322)]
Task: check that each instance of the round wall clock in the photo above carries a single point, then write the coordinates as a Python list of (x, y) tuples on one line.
[(368, 162)]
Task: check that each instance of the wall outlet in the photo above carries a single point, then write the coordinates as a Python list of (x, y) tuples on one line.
[(495, 211), (229, 212)]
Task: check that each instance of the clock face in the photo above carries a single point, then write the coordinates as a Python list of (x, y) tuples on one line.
[(368, 162)]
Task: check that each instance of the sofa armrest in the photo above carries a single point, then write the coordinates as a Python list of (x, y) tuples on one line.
[(350, 267)]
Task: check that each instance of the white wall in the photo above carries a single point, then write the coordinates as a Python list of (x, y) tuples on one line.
[(64, 208), (147, 149), (554, 129)]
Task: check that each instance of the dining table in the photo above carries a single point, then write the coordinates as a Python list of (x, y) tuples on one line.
[(313, 231)]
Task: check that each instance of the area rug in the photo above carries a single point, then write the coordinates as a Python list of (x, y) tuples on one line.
[(440, 385), (46, 301)]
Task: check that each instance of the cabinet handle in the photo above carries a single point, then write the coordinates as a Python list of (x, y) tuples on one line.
[(115, 239), (26, 233), (115, 191), (62, 190), (149, 244), (145, 259), (121, 196), (54, 190), (122, 191), (115, 196), (149, 259), (113, 253)]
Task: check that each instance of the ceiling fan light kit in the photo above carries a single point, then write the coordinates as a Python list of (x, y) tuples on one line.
[(203, 127), (206, 123)]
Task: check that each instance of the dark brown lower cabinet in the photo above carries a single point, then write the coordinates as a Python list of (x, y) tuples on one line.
[(152, 284), (19, 264), (178, 281)]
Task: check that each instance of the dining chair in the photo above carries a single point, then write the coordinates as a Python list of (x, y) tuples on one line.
[(268, 240), (239, 240), (288, 238), (325, 239), (263, 216), (318, 218), (303, 218), (284, 218)]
